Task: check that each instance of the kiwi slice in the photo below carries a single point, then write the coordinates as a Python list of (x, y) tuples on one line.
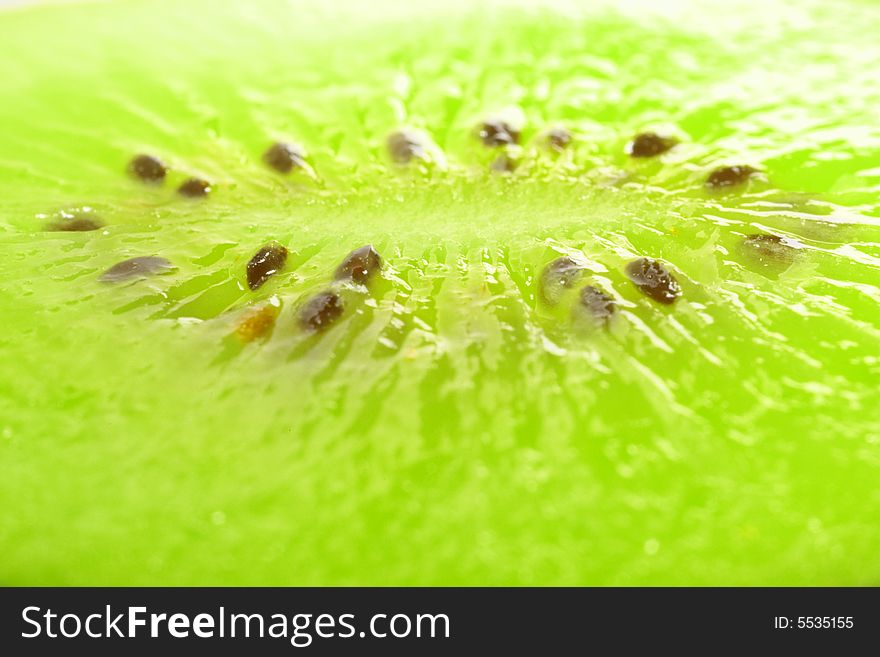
[(280, 304)]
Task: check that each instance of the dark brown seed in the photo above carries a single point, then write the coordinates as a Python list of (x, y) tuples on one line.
[(649, 144), (653, 280), (148, 168), (320, 311), (267, 261), (559, 275), (76, 224), (195, 188), (498, 133), (77, 221), (504, 164), (730, 176), (136, 268), (283, 157), (770, 251), (558, 139), (598, 304), (360, 265), (404, 146), (81, 224)]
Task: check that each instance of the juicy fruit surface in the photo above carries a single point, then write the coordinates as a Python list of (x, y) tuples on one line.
[(444, 426)]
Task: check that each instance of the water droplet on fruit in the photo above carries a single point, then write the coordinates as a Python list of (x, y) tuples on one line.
[(498, 133), (597, 303), (653, 280), (404, 145), (321, 311), (557, 276), (136, 268), (148, 168), (266, 262), (283, 157), (194, 188), (360, 265), (730, 176), (649, 144)]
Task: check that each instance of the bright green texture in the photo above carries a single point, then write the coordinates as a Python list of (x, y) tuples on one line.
[(449, 430)]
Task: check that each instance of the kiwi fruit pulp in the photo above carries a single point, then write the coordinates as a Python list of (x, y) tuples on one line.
[(441, 422)]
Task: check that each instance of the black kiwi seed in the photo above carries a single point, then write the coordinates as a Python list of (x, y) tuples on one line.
[(148, 168), (136, 268), (194, 188), (730, 176), (360, 265), (558, 275), (76, 222), (498, 133), (771, 251), (649, 144), (320, 311), (266, 262), (558, 139), (404, 146), (653, 280), (283, 157), (598, 304)]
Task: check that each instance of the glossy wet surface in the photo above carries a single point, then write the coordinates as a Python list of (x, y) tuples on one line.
[(448, 427)]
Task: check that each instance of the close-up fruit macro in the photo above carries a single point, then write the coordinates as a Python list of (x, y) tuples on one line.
[(327, 292)]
